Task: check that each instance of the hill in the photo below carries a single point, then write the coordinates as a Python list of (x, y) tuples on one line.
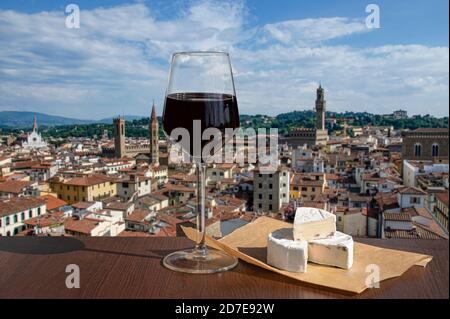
[(19, 119)]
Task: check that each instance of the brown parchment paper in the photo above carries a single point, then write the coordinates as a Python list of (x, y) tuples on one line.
[(249, 243)]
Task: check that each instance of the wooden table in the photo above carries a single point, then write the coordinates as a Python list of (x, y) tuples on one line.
[(32, 267)]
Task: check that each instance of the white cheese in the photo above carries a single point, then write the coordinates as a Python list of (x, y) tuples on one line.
[(285, 253), (335, 251), (313, 223)]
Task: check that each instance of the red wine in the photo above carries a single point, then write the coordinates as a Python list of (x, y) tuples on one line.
[(212, 109)]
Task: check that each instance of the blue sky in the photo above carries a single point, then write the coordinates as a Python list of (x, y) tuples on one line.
[(117, 62)]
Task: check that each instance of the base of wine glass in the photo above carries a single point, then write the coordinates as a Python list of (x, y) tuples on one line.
[(190, 261)]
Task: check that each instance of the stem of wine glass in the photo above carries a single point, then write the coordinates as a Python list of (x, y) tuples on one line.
[(200, 247)]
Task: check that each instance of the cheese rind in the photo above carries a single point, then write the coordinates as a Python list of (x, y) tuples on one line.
[(285, 253), (336, 251), (313, 223)]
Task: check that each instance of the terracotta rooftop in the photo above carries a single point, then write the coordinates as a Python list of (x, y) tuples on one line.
[(83, 226), (138, 215), (88, 180), (83, 205), (411, 191), (431, 130), (19, 204), (52, 202), (400, 217), (127, 233), (14, 187), (418, 232), (442, 197)]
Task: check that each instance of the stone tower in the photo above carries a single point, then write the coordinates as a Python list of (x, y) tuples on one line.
[(119, 137), (154, 137), (320, 109), (35, 126)]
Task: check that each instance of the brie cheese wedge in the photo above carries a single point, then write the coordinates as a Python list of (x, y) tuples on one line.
[(285, 253), (313, 223), (336, 251)]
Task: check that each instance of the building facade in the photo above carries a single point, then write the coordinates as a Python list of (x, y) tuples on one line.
[(14, 211), (270, 191), (84, 189), (426, 144), (34, 139)]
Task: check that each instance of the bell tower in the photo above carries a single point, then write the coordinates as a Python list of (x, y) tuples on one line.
[(320, 109), (119, 137), (154, 137)]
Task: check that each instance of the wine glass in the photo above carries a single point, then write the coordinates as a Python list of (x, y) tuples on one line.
[(200, 96)]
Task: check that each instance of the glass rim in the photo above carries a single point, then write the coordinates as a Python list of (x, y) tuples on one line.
[(201, 53)]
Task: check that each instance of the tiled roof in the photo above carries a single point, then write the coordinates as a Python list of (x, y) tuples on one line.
[(19, 204), (52, 202), (88, 180), (83, 226), (138, 215), (401, 217), (14, 187), (127, 233), (431, 130), (411, 191), (418, 232), (83, 205), (443, 197)]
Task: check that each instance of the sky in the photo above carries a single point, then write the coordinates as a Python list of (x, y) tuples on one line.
[(117, 62)]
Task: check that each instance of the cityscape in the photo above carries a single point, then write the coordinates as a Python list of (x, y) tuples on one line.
[(379, 181), (232, 153)]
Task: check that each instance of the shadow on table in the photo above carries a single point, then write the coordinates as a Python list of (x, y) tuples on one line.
[(61, 245), (40, 245)]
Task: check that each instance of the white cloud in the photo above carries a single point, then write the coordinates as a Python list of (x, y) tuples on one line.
[(314, 31), (117, 62)]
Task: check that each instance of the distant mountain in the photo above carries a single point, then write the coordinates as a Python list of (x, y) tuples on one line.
[(20, 119), (25, 119)]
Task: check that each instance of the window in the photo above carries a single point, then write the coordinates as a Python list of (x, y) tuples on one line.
[(39, 211), (30, 214), (295, 188), (270, 175), (260, 196), (414, 200), (214, 173), (68, 197), (15, 219), (260, 185), (284, 173), (270, 207), (304, 189), (284, 195), (339, 218), (270, 196), (259, 205), (270, 186), (313, 189), (221, 173), (435, 150), (417, 150), (22, 216)]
